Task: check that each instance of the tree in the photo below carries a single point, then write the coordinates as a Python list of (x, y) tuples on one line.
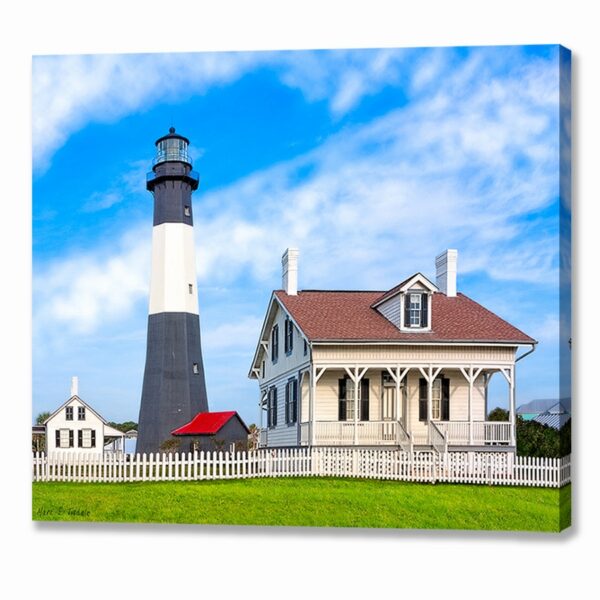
[(535, 439), (125, 426), (39, 420), (498, 414), (170, 446)]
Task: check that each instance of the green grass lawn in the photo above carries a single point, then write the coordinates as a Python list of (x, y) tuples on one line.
[(313, 502)]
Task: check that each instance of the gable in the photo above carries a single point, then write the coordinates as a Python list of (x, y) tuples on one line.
[(75, 402), (275, 312)]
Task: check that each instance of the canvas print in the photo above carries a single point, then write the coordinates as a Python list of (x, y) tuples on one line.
[(324, 288)]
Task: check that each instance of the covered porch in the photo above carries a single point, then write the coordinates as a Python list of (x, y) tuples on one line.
[(434, 405)]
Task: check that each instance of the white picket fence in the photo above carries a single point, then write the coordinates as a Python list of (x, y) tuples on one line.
[(497, 468)]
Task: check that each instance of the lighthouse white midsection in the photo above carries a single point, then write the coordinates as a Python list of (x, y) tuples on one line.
[(173, 279)]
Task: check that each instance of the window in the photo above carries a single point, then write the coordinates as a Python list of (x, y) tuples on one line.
[(69, 413), (64, 438), (416, 310), (195, 368), (440, 399), (272, 408), (275, 343), (346, 400), (187, 211), (436, 399), (291, 401), (86, 438), (190, 288), (289, 337), (81, 413), (262, 369), (305, 347)]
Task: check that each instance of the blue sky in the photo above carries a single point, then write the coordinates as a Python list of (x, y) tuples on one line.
[(370, 161)]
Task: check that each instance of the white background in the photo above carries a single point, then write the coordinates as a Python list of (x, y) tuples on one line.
[(70, 560)]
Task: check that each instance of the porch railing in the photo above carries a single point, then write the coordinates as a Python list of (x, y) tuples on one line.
[(342, 433), (484, 432), (383, 433)]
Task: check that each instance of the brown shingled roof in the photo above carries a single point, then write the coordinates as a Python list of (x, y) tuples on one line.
[(348, 316)]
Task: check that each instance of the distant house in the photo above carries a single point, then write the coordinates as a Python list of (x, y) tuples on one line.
[(214, 431), (76, 427), (556, 416), (406, 367), (532, 409)]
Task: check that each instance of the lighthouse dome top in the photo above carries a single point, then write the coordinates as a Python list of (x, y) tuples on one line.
[(172, 147)]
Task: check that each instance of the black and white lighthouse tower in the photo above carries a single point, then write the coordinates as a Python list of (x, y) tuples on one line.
[(174, 390)]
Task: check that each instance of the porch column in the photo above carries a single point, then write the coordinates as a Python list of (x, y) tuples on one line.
[(356, 384), (429, 395), (470, 405), (513, 410), (397, 378), (311, 405)]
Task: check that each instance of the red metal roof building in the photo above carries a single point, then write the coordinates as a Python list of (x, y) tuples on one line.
[(226, 427)]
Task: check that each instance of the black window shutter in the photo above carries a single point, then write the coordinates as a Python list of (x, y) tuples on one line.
[(342, 400), (285, 337), (93, 438), (292, 385), (80, 438), (275, 407), (70, 438), (424, 312), (287, 402), (445, 399), (295, 405), (364, 400), (422, 399), (57, 438), (406, 310)]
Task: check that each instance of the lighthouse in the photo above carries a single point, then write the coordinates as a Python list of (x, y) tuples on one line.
[(174, 389)]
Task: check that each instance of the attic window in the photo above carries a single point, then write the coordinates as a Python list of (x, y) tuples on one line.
[(69, 413), (416, 314), (187, 211), (195, 369), (414, 310)]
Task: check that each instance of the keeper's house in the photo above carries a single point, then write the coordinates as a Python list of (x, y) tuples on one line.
[(407, 367)]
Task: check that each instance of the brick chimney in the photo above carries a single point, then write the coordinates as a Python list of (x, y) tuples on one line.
[(289, 271), (445, 272)]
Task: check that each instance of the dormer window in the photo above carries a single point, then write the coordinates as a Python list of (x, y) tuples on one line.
[(415, 310)]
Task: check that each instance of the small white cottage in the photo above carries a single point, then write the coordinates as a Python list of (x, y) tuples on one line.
[(77, 427)]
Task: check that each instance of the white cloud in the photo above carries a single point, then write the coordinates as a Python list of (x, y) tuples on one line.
[(87, 290), (235, 335), (380, 200), (68, 92)]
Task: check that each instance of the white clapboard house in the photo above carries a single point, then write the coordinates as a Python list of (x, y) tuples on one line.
[(76, 427), (407, 367)]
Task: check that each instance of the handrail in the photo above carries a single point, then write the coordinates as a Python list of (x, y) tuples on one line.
[(404, 436), (438, 440)]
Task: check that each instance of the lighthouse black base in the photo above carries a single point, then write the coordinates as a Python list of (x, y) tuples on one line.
[(174, 389)]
